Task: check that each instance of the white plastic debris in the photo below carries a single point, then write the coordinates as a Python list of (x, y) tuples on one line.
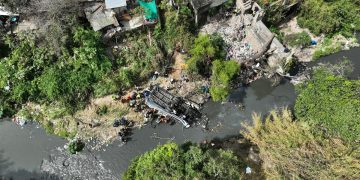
[(248, 170)]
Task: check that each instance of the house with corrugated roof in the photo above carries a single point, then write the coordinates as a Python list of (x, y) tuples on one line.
[(111, 16)]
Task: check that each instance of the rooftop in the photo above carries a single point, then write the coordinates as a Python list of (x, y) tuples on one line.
[(110, 4)]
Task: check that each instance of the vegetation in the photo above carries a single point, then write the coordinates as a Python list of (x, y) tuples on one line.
[(39, 76), (205, 50), (326, 48), (320, 16), (330, 17), (332, 103), (298, 39), (289, 150), (76, 146), (177, 30), (190, 161), (223, 72)]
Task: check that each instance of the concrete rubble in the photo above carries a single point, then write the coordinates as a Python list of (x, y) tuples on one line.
[(247, 38)]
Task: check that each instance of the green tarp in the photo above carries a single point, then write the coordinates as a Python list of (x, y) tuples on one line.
[(150, 9)]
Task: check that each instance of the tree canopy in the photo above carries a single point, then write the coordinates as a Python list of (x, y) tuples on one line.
[(169, 161), (206, 49), (33, 73), (330, 16), (223, 72)]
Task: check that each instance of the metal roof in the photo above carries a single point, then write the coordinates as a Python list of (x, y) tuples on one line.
[(100, 17), (4, 12), (110, 4)]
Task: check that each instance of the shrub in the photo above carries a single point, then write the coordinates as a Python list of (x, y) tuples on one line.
[(223, 72), (170, 161), (206, 49), (102, 110), (330, 17), (76, 146)]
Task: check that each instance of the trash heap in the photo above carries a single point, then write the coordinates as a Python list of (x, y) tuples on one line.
[(233, 31)]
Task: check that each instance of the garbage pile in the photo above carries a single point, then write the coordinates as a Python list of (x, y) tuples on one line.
[(233, 32)]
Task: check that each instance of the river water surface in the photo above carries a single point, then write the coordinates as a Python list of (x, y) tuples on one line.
[(23, 149)]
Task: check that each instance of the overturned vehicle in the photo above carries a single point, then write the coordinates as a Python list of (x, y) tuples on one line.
[(173, 107)]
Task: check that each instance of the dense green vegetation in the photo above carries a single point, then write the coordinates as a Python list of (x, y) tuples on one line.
[(205, 50), (75, 146), (320, 16), (177, 29), (332, 103), (330, 16), (289, 150), (207, 58), (223, 72), (34, 73), (79, 68), (189, 161)]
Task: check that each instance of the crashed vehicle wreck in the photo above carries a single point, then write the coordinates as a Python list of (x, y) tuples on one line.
[(173, 107)]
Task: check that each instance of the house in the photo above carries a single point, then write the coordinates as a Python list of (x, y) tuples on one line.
[(114, 16)]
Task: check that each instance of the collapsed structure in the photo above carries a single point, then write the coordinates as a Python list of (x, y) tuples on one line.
[(248, 38)]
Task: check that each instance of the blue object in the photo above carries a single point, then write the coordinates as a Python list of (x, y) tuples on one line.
[(313, 42), (13, 19)]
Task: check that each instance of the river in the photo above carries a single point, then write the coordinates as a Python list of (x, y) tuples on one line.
[(23, 149)]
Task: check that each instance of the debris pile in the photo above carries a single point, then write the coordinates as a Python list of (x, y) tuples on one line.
[(233, 32)]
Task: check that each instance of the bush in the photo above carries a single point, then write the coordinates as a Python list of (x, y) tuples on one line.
[(170, 161), (330, 17), (177, 27), (223, 72), (76, 146), (299, 39), (102, 110), (331, 102), (206, 49), (289, 150), (34, 74)]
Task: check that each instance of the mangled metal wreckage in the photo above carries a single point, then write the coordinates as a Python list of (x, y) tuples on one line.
[(173, 107)]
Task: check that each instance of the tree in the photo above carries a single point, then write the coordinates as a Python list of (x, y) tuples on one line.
[(189, 161), (289, 150), (223, 72), (206, 49)]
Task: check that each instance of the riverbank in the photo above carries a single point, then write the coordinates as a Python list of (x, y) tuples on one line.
[(224, 120), (92, 123), (323, 45)]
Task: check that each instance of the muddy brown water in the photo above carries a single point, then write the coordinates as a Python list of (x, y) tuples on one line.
[(22, 149)]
